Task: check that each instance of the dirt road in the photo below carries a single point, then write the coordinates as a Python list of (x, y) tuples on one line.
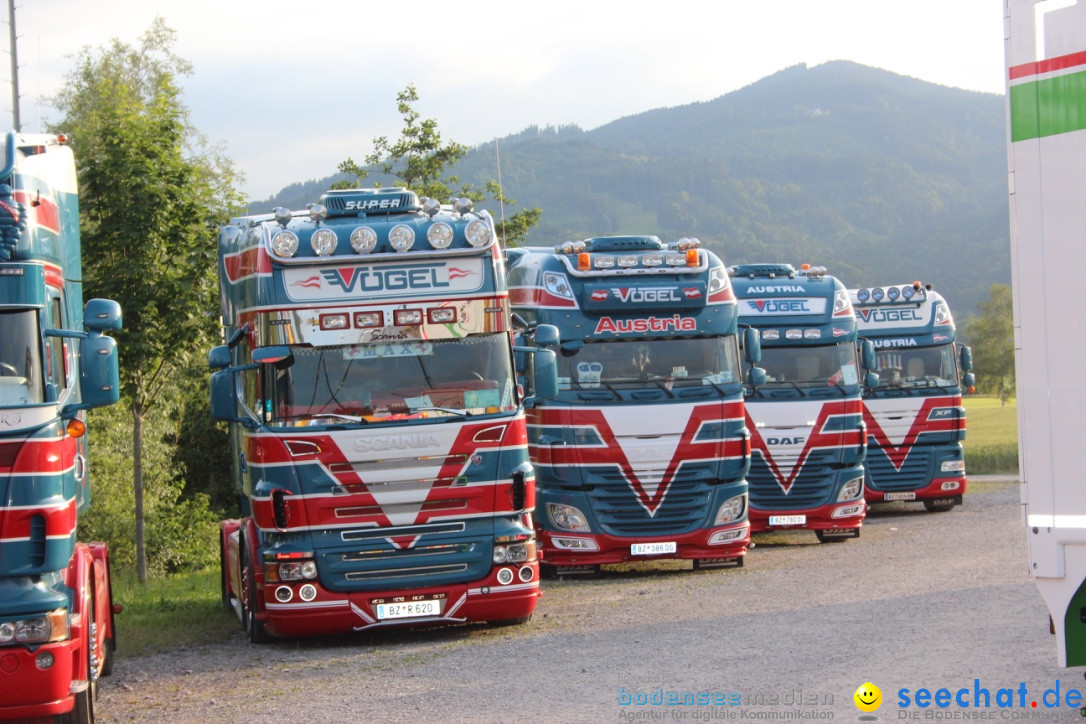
[(920, 601)]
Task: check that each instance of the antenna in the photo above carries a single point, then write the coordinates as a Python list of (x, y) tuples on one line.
[(16, 122), (501, 195)]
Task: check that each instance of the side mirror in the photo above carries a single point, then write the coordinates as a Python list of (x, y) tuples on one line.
[(102, 314), (223, 401), (969, 382), (755, 377), (966, 359), (546, 336), (219, 357), (871, 380), (278, 355), (99, 373), (752, 346), (867, 355), (544, 377)]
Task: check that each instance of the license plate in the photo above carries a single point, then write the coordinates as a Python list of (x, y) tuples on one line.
[(899, 496), (653, 549), (787, 519), (408, 609)]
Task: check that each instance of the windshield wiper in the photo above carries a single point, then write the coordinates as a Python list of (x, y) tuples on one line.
[(337, 416), (448, 410)]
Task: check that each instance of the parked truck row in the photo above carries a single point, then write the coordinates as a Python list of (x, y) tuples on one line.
[(422, 422)]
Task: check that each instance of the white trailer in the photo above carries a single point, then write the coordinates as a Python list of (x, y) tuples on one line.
[(1046, 125)]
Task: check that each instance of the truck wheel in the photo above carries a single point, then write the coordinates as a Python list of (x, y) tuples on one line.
[(83, 711), (254, 628), (222, 574)]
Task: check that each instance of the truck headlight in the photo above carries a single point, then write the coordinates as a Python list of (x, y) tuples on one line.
[(514, 552), (850, 490), (952, 466), (52, 626), (285, 243), (732, 509), (567, 517)]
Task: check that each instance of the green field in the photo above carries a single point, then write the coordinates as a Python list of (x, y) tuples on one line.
[(991, 443)]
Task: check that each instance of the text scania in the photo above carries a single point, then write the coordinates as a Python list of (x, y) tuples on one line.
[(383, 279), (674, 323), (394, 442)]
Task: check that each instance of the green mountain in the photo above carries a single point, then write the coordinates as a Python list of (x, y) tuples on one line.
[(878, 177)]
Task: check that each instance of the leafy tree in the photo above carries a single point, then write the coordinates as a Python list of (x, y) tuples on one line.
[(991, 335), (152, 195), (419, 159)]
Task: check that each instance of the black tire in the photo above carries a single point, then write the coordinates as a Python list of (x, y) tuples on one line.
[(222, 574), (83, 711), (254, 628)]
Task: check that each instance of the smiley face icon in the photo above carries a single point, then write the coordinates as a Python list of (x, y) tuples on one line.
[(868, 697)]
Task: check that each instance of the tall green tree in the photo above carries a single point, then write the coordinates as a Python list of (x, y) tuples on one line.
[(991, 335), (152, 195), (419, 160)]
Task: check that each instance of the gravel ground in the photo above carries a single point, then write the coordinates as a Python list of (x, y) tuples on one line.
[(921, 600)]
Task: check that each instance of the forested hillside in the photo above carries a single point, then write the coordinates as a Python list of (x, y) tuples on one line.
[(879, 177)]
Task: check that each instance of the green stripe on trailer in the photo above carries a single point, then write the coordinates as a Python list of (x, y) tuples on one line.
[(1048, 107)]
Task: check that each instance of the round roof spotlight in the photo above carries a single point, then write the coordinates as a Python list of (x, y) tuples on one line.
[(463, 205), (285, 243), (431, 207), (282, 215), (323, 242), (877, 294), (863, 295), (363, 240), (401, 237), (440, 235), (907, 292), (893, 293), (318, 212), (478, 234)]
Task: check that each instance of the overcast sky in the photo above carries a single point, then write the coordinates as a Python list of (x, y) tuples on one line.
[(291, 88)]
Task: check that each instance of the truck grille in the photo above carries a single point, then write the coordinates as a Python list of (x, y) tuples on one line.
[(814, 486), (915, 473), (368, 559), (619, 511)]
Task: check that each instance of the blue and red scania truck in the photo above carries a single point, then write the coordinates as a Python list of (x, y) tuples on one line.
[(642, 455), (803, 402), (914, 415), (376, 418), (56, 610)]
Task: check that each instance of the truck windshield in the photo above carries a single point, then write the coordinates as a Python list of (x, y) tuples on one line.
[(917, 367), (391, 381), (20, 359), (819, 366), (633, 363)]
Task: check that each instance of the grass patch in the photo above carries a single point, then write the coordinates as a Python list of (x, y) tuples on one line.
[(168, 612), (991, 443)]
